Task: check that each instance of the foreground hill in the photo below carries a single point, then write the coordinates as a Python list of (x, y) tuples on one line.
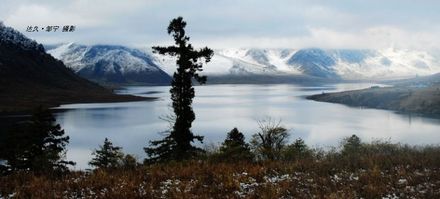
[(30, 77)]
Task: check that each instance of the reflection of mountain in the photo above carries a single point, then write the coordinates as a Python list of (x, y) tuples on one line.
[(111, 64), (29, 76)]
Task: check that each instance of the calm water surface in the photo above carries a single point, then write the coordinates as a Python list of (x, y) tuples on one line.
[(219, 108)]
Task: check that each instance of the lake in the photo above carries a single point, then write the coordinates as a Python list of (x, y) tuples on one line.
[(219, 108)]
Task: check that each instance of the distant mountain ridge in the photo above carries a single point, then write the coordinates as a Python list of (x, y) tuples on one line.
[(338, 63), (335, 64), (331, 63)]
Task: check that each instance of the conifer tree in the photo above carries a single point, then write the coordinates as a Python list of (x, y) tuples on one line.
[(177, 144), (297, 150), (234, 148), (107, 156), (351, 145)]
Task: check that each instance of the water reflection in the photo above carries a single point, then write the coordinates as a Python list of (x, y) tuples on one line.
[(219, 108)]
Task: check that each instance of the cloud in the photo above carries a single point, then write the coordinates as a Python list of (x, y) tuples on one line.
[(230, 23), (80, 12), (371, 38)]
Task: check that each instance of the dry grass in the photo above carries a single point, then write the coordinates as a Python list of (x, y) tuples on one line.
[(204, 179), (374, 170)]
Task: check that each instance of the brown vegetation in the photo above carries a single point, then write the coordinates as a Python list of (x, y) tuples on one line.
[(358, 170)]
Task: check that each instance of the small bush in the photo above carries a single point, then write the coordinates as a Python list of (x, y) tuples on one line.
[(270, 141)]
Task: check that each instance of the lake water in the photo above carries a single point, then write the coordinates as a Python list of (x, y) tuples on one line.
[(219, 108)]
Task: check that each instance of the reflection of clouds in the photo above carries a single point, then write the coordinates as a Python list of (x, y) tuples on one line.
[(219, 108)]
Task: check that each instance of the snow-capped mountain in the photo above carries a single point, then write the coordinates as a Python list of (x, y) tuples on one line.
[(109, 61), (111, 64), (333, 64), (237, 62)]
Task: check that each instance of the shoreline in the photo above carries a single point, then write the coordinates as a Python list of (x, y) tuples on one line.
[(10, 108)]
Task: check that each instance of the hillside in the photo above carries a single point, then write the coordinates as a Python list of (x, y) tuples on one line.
[(30, 77)]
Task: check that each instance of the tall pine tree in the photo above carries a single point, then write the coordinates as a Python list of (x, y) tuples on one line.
[(177, 144)]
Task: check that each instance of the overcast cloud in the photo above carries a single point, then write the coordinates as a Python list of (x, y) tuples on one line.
[(373, 24)]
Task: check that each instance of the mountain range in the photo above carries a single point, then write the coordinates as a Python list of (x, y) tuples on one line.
[(119, 64)]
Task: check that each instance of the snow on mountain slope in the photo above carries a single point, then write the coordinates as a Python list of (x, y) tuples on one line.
[(218, 65), (110, 64), (364, 64), (267, 60), (71, 54), (238, 62), (314, 62), (388, 64), (332, 63)]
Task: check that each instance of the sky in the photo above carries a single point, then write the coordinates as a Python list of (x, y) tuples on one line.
[(348, 24)]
